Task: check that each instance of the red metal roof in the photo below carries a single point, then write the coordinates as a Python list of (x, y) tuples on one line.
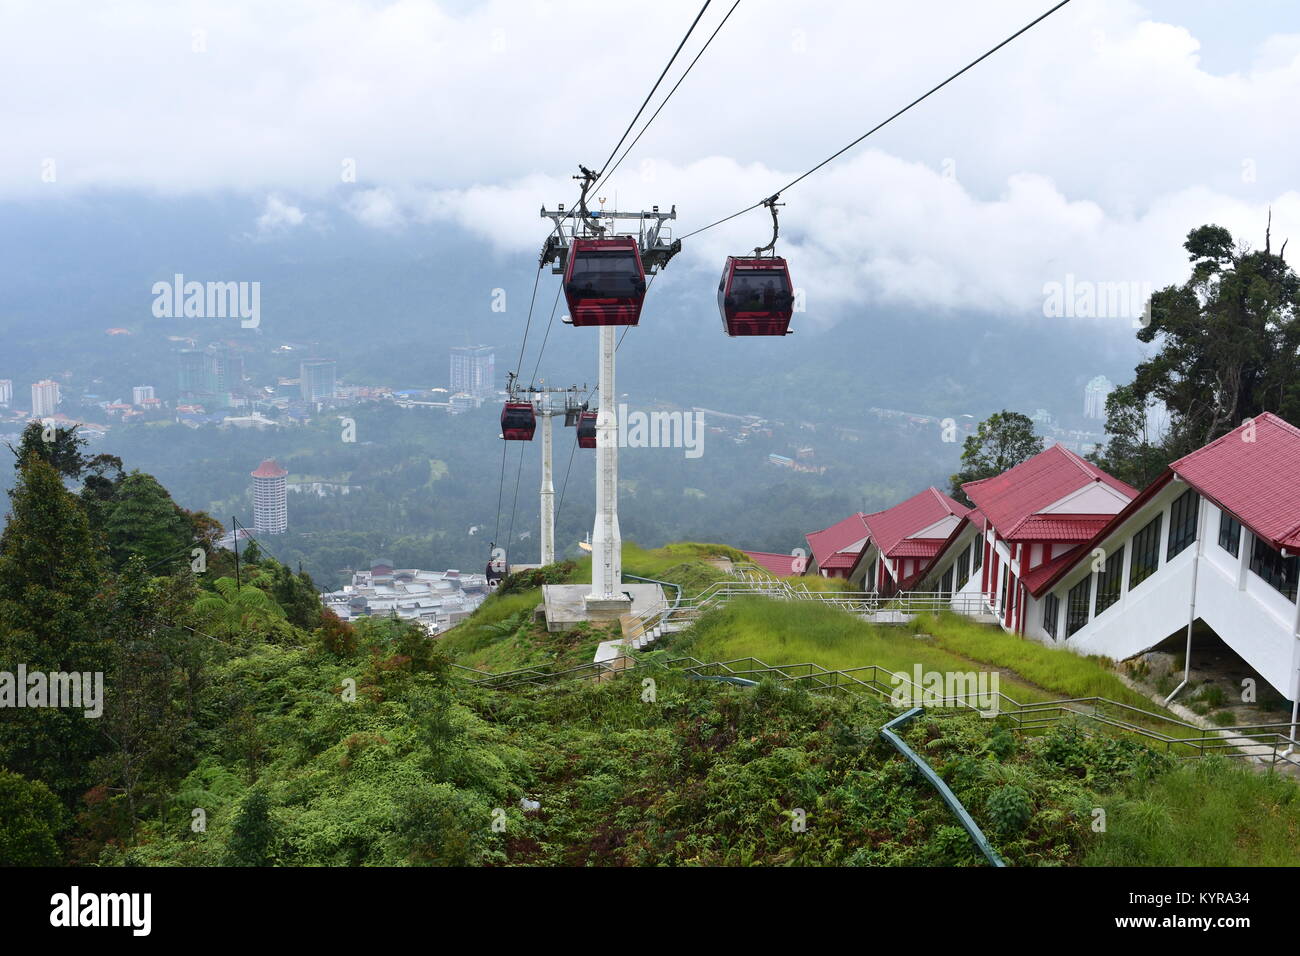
[(1010, 498), (1059, 527), (781, 565), (1254, 480), (269, 469), (892, 527), (828, 542), (917, 548), (1257, 480)]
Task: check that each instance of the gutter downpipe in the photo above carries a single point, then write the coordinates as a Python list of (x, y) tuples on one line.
[(1295, 669), (1191, 614)]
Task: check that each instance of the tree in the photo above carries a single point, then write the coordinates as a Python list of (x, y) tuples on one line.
[(142, 520), (1134, 453), (1228, 339), (143, 721), (50, 579), (296, 594), (253, 832), (1002, 441), (100, 479), (30, 819), (59, 447)]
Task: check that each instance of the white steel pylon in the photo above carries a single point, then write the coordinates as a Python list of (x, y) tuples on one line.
[(548, 486), (606, 542)]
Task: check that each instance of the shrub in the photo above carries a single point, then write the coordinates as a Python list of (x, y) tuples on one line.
[(1009, 808)]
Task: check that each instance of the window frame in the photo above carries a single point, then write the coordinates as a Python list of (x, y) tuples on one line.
[(1110, 582), (1184, 523), (1073, 603), (1228, 523), (1051, 615), (1145, 547)]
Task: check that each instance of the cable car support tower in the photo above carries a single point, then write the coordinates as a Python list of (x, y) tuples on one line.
[(656, 247), (540, 396)]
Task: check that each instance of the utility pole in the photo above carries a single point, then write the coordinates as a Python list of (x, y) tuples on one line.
[(234, 525)]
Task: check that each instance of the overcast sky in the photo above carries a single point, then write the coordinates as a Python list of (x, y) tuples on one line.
[(1089, 146)]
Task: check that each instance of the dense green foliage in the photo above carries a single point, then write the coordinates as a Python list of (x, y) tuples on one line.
[(1001, 441), (1226, 342), (242, 726)]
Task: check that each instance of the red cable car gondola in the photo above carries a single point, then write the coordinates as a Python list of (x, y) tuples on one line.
[(604, 282), (755, 295), (587, 430), (518, 421)]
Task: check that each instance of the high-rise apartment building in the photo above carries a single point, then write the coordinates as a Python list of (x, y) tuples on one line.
[(45, 398), (317, 379), (473, 370), (270, 499)]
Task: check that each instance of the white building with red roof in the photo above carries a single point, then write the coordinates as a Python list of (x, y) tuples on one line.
[(1214, 539), (836, 549), (1029, 521), (903, 540)]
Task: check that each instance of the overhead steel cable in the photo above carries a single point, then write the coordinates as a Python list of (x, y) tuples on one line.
[(605, 175), (840, 152), (529, 321), (649, 97)]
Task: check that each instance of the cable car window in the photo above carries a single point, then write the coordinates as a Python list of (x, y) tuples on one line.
[(611, 274), (758, 289)]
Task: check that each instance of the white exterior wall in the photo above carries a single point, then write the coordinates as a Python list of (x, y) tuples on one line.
[(1247, 613), (961, 598)]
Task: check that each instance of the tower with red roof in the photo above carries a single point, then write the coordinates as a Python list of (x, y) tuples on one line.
[(270, 498)]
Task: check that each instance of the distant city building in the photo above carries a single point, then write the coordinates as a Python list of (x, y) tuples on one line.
[(45, 398), (209, 376), (1095, 394), (6, 391), (270, 499), (462, 402), (141, 394), (473, 370), (436, 600), (317, 379)]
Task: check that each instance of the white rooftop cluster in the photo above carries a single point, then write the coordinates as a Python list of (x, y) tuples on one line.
[(435, 599)]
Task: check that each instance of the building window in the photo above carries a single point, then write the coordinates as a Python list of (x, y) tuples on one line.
[(1006, 591), (1278, 571), (1182, 522), (1229, 534), (1109, 579), (1051, 614), (977, 554), (945, 583), (1146, 553), (963, 569), (871, 579), (1076, 605)]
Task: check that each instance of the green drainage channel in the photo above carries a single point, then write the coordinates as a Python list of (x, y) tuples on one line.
[(936, 781)]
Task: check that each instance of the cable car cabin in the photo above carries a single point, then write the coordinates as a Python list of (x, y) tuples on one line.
[(587, 430), (518, 422), (604, 282), (755, 296)]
